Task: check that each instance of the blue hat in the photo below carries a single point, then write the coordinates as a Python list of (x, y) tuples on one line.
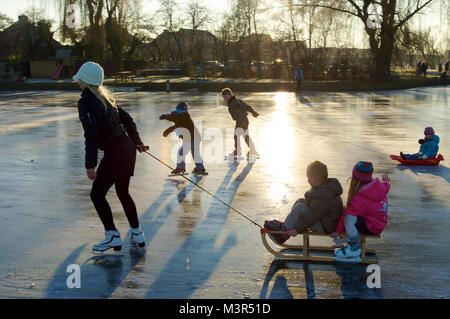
[(181, 107)]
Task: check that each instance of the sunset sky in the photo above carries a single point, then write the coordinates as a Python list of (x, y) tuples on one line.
[(431, 18)]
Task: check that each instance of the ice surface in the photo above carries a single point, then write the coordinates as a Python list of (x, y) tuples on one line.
[(197, 247)]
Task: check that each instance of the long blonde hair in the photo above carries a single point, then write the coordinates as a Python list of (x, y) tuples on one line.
[(353, 188), (103, 94)]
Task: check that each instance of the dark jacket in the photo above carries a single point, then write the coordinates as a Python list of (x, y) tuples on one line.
[(238, 110), (181, 120), (102, 124), (324, 205)]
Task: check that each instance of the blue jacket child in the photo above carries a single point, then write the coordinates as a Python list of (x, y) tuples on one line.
[(429, 147)]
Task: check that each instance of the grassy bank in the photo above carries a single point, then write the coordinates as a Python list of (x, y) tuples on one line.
[(244, 86)]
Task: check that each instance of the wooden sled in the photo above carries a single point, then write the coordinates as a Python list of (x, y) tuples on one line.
[(306, 248)]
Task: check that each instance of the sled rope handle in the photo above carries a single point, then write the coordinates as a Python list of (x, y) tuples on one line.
[(229, 206)]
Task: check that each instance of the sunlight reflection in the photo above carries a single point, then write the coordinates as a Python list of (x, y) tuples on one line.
[(278, 146)]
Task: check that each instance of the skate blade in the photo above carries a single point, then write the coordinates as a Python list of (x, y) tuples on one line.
[(200, 174), (107, 254), (348, 259), (175, 175), (102, 252), (136, 246)]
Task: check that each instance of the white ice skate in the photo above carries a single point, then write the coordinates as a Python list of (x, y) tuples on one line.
[(112, 240), (346, 254), (230, 158), (137, 237)]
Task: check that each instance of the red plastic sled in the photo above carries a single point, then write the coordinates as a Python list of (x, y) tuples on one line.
[(426, 162)]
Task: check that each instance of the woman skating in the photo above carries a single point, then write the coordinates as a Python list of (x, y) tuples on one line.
[(109, 128)]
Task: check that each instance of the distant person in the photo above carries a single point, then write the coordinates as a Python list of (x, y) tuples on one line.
[(366, 211), (186, 130), (440, 68), (447, 65), (429, 147), (109, 128), (424, 68), (299, 78), (419, 69), (319, 211), (239, 112), (444, 77)]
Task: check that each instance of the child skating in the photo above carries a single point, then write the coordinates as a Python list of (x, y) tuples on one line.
[(429, 147), (319, 211), (186, 130), (366, 211), (239, 112)]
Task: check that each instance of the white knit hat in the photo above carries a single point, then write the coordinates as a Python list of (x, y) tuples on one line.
[(90, 73)]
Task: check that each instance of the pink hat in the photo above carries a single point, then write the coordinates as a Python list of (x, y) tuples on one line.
[(429, 131)]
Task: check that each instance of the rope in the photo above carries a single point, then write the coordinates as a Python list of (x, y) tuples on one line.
[(229, 206)]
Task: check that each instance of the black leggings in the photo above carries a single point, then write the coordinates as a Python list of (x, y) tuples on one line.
[(99, 190)]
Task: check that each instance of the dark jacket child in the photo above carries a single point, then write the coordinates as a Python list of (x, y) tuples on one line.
[(109, 128), (186, 130), (319, 211), (239, 112)]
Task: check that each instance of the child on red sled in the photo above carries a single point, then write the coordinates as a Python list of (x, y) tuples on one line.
[(366, 211), (319, 211), (429, 147)]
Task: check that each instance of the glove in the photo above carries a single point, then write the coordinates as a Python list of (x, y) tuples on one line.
[(168, 131), (142, 148), (163, 117), (255, 114), (422, 141)]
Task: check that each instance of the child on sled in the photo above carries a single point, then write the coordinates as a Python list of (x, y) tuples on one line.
[(319, 211), (366, 211), (239, 112), (186, 130), (429, 147)]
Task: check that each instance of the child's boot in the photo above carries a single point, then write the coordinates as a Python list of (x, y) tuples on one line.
[(351, 252), (276, 225), (178, 171)]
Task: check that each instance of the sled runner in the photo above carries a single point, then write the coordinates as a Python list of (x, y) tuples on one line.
[(306, 249), (425, 162)]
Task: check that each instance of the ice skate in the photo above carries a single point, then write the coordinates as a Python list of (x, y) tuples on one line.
[(177, 172), (346, 254), (112, 240), (201, 172), (232, 157), (137, 238)]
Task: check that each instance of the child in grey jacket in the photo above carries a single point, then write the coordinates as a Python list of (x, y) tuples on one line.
[(319, 211)]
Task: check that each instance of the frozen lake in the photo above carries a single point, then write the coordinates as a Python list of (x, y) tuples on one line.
[(196, 246)]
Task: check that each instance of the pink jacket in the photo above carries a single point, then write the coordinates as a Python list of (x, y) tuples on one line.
[(370, 203)]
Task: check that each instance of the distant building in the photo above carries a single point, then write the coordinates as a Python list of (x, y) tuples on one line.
[(185, 45), (28, 40)]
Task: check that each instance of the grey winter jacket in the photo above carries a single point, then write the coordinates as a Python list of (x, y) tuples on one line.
[(238, 110), (324, 205)]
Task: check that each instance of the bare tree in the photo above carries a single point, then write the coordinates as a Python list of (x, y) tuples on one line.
[(392, 16), (170, 22), (197, 14), (5, 21)]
